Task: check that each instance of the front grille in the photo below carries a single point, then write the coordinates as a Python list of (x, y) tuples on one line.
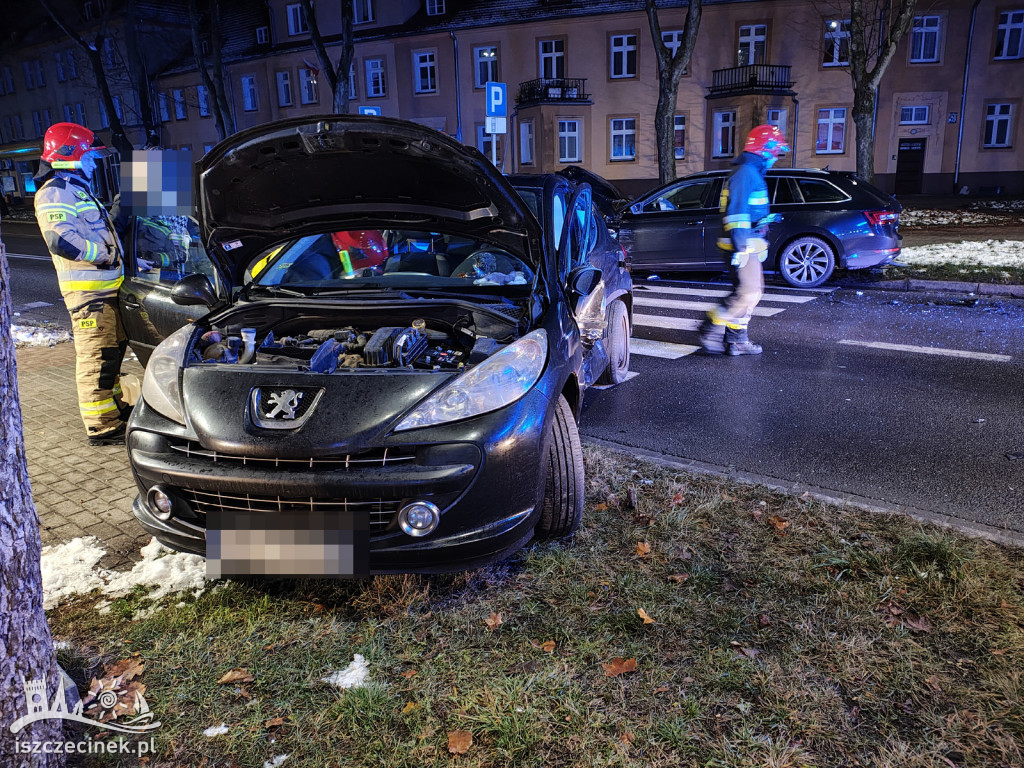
[(381, 512), (383, 457)]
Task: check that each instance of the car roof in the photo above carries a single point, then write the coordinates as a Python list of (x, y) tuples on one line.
[(809, 172)]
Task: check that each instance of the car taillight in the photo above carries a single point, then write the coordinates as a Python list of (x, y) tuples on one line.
[(876, 218), (625, 261)]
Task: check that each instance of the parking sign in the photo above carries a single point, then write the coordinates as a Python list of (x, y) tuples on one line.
[(497, 103)]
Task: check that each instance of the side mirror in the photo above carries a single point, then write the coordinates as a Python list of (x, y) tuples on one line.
[(583, 280), (195, 289)]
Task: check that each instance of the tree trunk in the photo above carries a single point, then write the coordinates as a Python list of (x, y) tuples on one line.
[(863, 120), (220, 77), (665, 126), (117, 135), (139, 73), (337, 77), (204, 73), (26, 648)]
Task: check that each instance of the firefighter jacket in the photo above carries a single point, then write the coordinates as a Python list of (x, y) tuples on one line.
[(163, 240), (744, 203), (80, 236)]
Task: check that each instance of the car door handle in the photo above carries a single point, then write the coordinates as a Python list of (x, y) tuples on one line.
[(131, 304)]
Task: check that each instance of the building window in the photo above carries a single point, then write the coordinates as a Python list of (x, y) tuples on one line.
[(47, 119), (831, 132), (40, 78), (1010, 35), (284, 89), (8, 80), (997, 125), (104, 119), (204, 100), (837, 44), (724, 137), (489, 143), (250, 98), (623, 61), (262, 35), (568, 141), (435, 7), (80, 113), (751, 44), (72, 68), (623, 138), (7, 131), (924, 41), (296, 19), (376, 81), (19, 129), (37, 123), (526, 142), (108, 51), (914, 115), (161, 101), (118, 109), (424, 72), (307, 86), (59, 58), (552, 59), (68, 115), (777, 117), (362, 11), (180, 110), (30, 82), (208, 147), (679, 137), (672, 40), (485, 65), (352, 81)]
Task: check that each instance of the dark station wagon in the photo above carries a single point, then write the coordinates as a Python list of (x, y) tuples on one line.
[(829, 220)]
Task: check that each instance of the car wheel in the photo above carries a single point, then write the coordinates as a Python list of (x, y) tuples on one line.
[(617, 345), (807, 262), (562, 507)]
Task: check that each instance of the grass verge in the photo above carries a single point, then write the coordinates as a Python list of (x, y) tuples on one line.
[(1013, 275), (784, 632)]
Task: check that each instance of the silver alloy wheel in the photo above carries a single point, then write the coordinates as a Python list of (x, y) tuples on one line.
[(807, 262)]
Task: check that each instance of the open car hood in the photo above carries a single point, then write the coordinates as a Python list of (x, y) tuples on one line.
[(328, 173)]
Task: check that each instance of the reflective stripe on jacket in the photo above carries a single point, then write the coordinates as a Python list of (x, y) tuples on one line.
[(744, 202), (81, 239)]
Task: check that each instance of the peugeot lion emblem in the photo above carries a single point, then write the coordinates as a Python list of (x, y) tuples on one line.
[(274, 408)]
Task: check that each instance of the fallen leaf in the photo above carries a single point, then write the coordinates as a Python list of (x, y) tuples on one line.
[(661, 689), (687, 679), (917, 623), (126, 669), (236, 675), (805, 495), (999, 652), (274, 722), (643, 549), (677, 499), (750, 653), (548, 646), (643, 615), (618, 666), (644, 520), (763, 620), (459, 742), (493, 622), (685, 554), (679, 578), (600, 507), (410, 706), (632, 497), (627, 738), (757, 514), (778, 523), (409, 673)]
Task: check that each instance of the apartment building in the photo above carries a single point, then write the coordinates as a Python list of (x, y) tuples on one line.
[(582, 84)]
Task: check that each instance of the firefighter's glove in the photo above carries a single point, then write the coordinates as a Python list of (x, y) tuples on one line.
[(143, 266), (771, 218)]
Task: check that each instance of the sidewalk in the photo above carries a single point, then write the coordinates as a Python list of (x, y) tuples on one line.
[(78, 490)]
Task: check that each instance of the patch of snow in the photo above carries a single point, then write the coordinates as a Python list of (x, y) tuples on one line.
[(68, 569), (215, 730), (999, 205), (276, 762), (353, 676), (33, 336), (61, 645), (166, 570), (987, 253)]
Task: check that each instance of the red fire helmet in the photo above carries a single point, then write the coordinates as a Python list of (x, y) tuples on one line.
[(766, 140), (65, 143)]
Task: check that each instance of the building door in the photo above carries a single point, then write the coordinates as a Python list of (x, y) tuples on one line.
[(910, 167)]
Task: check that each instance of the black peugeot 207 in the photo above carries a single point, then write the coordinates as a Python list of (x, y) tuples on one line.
[(392, 365)]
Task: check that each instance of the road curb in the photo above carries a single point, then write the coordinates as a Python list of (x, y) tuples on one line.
[(941, 286), (825, 495)]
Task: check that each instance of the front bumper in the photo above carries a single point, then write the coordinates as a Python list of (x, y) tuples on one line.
[(484, 474)]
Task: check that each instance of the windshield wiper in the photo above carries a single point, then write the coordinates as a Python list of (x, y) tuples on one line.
[(277, 290)]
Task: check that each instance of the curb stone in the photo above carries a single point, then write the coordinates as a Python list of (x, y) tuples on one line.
[(942, 286)]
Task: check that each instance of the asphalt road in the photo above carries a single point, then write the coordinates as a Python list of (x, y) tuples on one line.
[(926, 423), (34, 291)]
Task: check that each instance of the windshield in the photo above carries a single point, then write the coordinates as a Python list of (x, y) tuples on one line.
[(390, 258)]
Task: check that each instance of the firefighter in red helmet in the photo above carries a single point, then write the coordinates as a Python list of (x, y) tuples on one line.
[(745, 221), (87, 254)]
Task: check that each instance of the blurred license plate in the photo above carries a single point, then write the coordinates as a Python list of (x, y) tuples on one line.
[(287, 544)]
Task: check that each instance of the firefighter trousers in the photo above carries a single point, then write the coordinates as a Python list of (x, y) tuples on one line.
[(748, 287), (100, 344)]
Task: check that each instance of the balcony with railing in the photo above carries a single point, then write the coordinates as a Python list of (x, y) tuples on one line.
[(751, 78), (559, 90)]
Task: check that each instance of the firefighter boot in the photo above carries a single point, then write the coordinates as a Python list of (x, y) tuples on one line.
[(710, 336), (737, 343)]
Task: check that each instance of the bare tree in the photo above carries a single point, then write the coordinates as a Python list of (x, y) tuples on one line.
[(26, 648), (138, 72), (215, 80), (875, 29), (94, 52), (337, 78), (671, 68)]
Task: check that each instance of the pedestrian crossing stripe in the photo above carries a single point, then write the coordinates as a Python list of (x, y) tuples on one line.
[(703, 306), (782, 298)]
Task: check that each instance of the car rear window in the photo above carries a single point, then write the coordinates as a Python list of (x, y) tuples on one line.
[(820, 191)]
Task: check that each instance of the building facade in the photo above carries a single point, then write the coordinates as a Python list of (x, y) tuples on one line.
[(583, 87)]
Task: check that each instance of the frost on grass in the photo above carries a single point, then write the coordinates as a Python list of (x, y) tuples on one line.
[(32, 336), (70, 569), (987, 253), (353, 676), (215, 730), (275, 762)]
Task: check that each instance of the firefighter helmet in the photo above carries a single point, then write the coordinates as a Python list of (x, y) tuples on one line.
[(766, 141), (66, 143)]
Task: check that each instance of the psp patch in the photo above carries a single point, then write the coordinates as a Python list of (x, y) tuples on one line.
[(57, 217), (89, 322)]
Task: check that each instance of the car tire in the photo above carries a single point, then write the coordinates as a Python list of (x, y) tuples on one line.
[(617, 345), (562, 507), (807, 262)]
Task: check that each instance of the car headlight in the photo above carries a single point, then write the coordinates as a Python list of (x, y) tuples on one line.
[(500, 380), (161, 387)]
